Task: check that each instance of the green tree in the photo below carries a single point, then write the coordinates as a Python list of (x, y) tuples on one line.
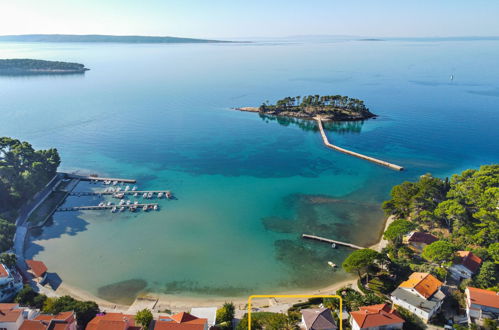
[(401, 202), (29, 297), (226, 313), (438, 252), (494, 252), (487, 277), (8, 259), (359, 261), (144, 318), (449, 211), (397, 229), (85, 310), (7, 231)]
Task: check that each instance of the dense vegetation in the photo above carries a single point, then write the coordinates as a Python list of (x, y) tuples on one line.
[(333, 107), (25, 65), (23, 172), (225, 314)]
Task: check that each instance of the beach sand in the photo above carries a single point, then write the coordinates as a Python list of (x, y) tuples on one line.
[(177, 303)]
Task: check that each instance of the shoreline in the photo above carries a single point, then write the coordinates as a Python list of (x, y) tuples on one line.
[(290, 114), (177, 303)]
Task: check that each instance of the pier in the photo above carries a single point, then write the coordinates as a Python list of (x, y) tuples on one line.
[(97, 178), (107, 207), (352, 153), (331, 241), (166, 193)]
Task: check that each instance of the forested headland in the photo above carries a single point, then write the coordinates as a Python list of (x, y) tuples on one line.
[(23, 172)]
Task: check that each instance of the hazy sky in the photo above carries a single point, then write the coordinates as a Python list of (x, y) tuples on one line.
[(252, 18)]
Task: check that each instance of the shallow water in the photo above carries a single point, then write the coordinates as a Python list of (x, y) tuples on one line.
[(247, 187)]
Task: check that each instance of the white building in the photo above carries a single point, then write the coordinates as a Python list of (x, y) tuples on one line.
[(465, 265), (11, 317), (481, 304), (10, 283), (420, 294), (209, 313)]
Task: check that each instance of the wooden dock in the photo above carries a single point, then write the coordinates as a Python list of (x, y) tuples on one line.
[(106, 207), (356, 154), (97, 178), (331, 241), (129, 192)]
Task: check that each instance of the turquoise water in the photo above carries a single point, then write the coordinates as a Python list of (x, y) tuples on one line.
[(246, 187)]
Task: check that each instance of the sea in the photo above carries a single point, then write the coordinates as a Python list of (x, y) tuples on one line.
[(246, 187)]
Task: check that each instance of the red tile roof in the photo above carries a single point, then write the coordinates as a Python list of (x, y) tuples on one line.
[(111, 321), (376, 316), (483, 297), (3, 271), (9, 306), (180, 321), (424, 283), (34, 325), (37, 267), (420, 237), (469, 260), (9, 315), (61, 321)]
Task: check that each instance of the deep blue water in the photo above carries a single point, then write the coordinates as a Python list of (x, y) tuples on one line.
[(247, 186)]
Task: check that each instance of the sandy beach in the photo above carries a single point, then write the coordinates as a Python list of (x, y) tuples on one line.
[(177, 303)]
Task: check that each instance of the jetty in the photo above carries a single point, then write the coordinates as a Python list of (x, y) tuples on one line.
[(97, 178), (331, 241), (107, 207), (352, 153), (166, 193)]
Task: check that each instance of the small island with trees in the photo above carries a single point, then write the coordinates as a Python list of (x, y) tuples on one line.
[(25, 66), (328, 107)]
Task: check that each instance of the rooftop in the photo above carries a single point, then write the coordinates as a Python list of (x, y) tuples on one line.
[(318, 318), (424, 283), (468, 260), (37, 267), (420, 237), (376, 316), (180, 321), (61, 321), (417, 301), (208, 313), (111, 321), (9, 315), (483, 297), (3, 271)]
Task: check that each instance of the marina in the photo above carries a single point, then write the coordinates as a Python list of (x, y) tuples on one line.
[(121, 194)]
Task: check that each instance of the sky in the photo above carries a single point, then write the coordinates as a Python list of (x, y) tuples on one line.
[(252, 18)]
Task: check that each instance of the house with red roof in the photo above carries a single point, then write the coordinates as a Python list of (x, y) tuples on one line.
[(11, 316), (420, 294), (376, 317), (181, 321), (10, 283), (113, 321), (61, 321), (417, 240), (38, 270), (465, 265), (481, 304)]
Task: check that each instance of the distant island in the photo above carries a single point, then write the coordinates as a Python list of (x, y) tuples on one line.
[(101, 38), (328, 107), (30, 66)]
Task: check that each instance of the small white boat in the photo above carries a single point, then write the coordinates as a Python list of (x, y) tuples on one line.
[(136, 194), (144, 208), (122, 209), (127, 188), (134, 188), (122, 202), (333, 245), (168, 194), (133, 208), (135, 203), (128, 202), (149, 195), (108, 203), (118, 189), (155, 208), (144, 195), (331, 264), (160, 194), (101, 204), (113, 209)]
